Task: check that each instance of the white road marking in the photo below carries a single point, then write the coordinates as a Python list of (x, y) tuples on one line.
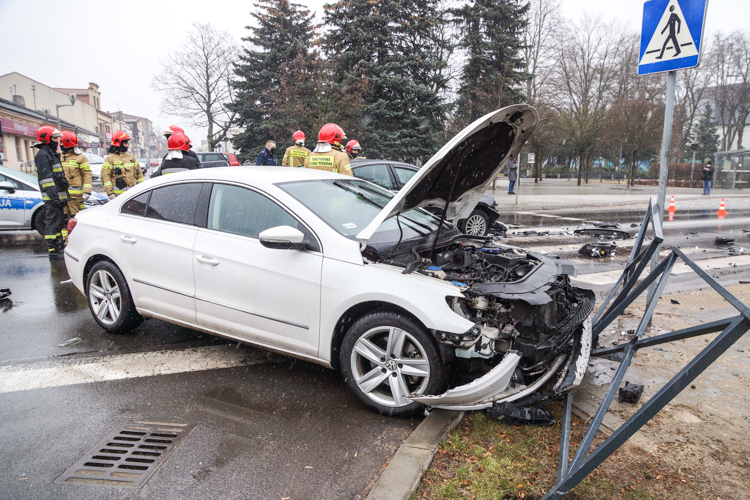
[(15, 378), (609, 277)]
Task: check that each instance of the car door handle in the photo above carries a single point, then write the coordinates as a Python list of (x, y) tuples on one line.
[(207, 260), (127, 239)]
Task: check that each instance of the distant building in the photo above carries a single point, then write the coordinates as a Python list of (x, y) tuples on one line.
[(145, 142)]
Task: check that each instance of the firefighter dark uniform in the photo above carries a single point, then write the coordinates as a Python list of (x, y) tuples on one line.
[(295, 156), (328, 155), (178, 158), (54, 189), (120, 170)]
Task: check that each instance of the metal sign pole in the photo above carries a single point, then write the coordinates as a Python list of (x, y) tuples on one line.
[(666, 143)]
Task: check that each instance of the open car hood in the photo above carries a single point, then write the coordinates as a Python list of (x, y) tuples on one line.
[(463, 169)]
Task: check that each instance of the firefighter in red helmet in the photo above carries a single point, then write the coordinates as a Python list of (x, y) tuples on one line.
[(328, 154), (78, 174), (177, 160), (54, 188), (296, 155), (353, 149), (167, 134), (120, 170)]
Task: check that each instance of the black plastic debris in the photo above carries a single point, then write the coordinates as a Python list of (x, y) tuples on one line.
[(631, 393), (634, 224), (614, 234), (598, 250), (498, 227), (5, 293), (674, 302), (610, 225), (512, 414), (733, 250), (723, 241)]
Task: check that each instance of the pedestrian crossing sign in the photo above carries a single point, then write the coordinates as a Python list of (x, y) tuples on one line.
[(672, 34)]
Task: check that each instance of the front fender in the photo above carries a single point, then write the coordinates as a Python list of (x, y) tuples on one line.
[(344, 285)]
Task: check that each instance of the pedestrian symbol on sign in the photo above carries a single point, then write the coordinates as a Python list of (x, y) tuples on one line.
[(671, 38)]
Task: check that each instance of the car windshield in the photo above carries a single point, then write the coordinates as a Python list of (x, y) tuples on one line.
[(21, 176), (348, 206), (94, 158)]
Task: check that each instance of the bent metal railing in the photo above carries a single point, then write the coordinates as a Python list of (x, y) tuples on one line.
[(569, 474)]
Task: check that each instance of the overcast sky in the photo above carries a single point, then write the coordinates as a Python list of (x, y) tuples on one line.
[(119, 45)]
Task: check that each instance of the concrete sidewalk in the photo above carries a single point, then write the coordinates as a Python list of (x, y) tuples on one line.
[(551, 194)]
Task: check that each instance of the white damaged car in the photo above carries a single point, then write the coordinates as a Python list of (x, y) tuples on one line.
[(338, 271)]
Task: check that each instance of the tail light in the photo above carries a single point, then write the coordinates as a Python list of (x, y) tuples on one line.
[(71, 225)]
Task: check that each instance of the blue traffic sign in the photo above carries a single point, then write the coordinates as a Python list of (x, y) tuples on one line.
[(672, 34)]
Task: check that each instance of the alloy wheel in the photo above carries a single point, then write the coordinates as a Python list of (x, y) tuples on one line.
[(388, 364), (476, 225), (105, 298)]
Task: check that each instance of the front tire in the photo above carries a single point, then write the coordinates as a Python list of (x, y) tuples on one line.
[(477, 224), (385, 357), (38, 220), (109, 299)]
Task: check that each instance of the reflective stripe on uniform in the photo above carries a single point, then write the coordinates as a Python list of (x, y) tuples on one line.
[(50, 236), (47, 184), (107, 183), (45, 180), (141, 179), (87, 186)]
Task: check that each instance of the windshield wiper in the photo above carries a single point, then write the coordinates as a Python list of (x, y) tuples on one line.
[(358, 193)]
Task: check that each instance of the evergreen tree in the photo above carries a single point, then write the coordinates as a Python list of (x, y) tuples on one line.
[(491, 35), (707, 138), (284, 32), (400, 50)]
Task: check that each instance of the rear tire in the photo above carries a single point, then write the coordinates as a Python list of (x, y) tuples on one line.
[(109, 299), (385, 357)]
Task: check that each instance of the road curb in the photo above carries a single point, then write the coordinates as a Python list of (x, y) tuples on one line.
[(405, 469)]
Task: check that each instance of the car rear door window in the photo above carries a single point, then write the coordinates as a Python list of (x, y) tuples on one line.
[(376, 173), (136, 206), (174, 203), (404, 174), (242, 211)]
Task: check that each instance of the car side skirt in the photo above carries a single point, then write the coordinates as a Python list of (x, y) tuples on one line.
[(149, 314)]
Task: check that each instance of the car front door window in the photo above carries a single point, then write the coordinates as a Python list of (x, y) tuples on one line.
[(376, 173)]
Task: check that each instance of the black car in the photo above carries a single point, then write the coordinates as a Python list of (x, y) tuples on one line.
[(211, 159), (393, 175)]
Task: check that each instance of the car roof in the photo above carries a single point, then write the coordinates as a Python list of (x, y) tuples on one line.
[(21, 176), (260, 176), (368, 161)]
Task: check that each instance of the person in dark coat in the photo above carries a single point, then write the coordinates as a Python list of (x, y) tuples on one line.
[(708, 176), (54, 187), (512, 176), (267, 156)]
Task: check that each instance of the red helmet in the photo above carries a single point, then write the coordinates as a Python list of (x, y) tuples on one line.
[(178, 140), (69, 139), (352, 145), (172, 129), (119, 137), (299, 136), (44, 134), (331, 133)]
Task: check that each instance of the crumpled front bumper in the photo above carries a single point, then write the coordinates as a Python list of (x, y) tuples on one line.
[(494, 386)]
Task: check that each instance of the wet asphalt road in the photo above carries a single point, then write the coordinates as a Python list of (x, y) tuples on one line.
[(266, 427)]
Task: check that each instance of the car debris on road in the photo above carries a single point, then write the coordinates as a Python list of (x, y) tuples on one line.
[(614, 234), (598, 250)]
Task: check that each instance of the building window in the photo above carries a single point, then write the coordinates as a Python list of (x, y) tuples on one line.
[(18, 149), (26, 148)]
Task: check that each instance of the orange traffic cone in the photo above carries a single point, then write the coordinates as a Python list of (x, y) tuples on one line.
[(722, 209), (672, 208)]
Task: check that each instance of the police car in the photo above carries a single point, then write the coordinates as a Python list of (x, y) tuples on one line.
[(21, 205)]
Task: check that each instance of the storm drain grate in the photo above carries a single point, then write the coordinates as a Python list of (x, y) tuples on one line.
[(128, 456)]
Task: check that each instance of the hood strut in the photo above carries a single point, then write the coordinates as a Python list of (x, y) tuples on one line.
[(445, 210)]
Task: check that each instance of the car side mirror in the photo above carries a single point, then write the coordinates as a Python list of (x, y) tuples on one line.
[(283, 237), (7, 186)]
